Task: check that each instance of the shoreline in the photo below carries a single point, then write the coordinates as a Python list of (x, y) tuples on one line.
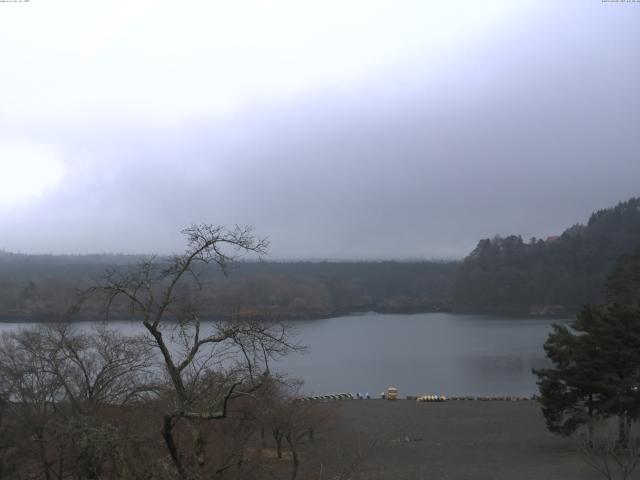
[(570, 315)]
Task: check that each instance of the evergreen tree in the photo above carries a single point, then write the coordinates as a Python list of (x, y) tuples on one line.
[(596, 366), (570, 392), (562, 272), (623, 284)]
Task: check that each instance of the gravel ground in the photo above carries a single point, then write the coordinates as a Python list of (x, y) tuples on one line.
[(477, 440)]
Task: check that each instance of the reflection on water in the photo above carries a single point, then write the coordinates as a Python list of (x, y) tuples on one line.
[(421, 353)]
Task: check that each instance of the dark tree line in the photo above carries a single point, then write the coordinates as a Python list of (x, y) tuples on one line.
[(43, 287), (543, 277), (595, 373), (555, 275)]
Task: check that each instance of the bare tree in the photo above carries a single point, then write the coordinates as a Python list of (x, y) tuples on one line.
[(603, 451), (97, 367), (7, 444), (289, 420), (32, 388), (58, 380), (208, 364)]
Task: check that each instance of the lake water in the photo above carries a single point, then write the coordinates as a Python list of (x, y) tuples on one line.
[(437, 353)]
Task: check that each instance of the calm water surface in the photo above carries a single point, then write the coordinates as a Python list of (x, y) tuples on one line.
[(422, 353)]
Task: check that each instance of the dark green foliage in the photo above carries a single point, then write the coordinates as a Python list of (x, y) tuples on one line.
[(596, 362), (569, 391), (623, 285), (556, 275)]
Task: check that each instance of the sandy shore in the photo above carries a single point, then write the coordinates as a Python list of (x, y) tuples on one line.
[(454, 440)]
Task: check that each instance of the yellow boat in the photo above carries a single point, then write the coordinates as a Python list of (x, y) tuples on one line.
[(392, 393)]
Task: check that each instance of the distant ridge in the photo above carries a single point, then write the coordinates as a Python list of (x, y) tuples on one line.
[(551, 276)]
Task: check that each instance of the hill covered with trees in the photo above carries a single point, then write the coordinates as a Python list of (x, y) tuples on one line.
[(553, 276), (39, 286)]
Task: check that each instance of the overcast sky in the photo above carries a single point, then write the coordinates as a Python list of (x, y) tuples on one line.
[(340, 129)]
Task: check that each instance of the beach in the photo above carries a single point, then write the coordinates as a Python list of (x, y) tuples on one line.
[(480, 440)]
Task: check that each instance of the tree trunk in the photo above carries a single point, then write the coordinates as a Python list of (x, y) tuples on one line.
[(167, 434), (622, 429), (43, 454), (198, 444), (277, 436), (294, 455), (590, 424)]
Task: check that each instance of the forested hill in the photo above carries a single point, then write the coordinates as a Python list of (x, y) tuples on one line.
[(552, 276), (42, 286)]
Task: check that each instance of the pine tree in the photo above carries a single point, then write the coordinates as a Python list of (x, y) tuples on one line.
[(596, 362), (570, 392), (623, 283)]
